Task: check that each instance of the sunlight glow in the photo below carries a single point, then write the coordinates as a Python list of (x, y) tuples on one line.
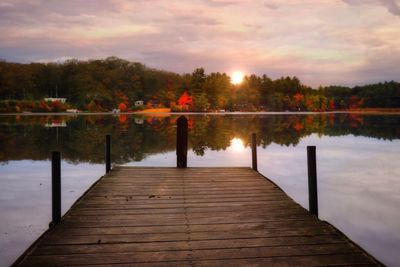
[(237, 144), (237, 77)]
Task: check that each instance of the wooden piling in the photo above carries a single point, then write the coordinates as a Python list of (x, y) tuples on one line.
[(254, 151), (108, 153), (312, 180), (182, 142), (56, 187)]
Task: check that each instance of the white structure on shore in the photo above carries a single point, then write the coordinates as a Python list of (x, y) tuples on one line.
[(139, 103), (55, 99)]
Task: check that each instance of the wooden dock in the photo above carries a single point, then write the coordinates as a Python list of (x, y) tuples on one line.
[(138, 216)]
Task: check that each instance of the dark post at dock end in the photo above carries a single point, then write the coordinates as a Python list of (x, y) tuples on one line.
[(56, 187), (108, 153), (181, 142), (254, 151), (312, 180)]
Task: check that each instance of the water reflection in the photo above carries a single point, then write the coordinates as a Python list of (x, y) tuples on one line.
[(25, 200), (137, 137), (237, 144), (54, 123), (357, 164)]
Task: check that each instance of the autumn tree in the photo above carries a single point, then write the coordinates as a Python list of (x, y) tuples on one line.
[(96, 82)]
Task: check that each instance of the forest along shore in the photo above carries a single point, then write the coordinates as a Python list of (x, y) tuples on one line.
[(112, 83), (394, 111)]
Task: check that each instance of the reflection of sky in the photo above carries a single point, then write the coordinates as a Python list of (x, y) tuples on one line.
[(358, 184), (25, 200)]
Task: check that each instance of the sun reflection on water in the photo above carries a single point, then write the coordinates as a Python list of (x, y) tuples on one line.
[(237, 144)]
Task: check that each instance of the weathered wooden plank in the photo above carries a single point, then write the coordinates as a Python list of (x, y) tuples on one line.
[(206, 254), (310, 260), (310, 223), (192, 205), (190, 216), (184, 245), (173, 221), (221, 190), (106, 212), (317, 260), (164, 196), (139, 216), (156, 200), (225, 233)]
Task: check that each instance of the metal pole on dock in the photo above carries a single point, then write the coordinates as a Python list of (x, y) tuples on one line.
[(56, 186), (254, 151), (312, 180), (108, 153), (182, 142)]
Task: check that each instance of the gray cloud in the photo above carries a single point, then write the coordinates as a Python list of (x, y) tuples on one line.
[(39, 12), (271, 5), (393, 6), (382, 65), (220, 3), (197, 20), (181, 35)]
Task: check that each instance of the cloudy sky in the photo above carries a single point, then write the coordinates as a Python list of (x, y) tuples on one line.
[(321, 41)]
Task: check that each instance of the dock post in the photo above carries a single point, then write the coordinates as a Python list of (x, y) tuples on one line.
[(182, 142), (108, 153), (312, 180), (254, 151), (56, 187)]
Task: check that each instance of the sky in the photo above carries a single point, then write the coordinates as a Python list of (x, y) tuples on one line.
[(323, 42)]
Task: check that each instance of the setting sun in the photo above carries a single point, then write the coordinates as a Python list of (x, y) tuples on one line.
[(237, 77)]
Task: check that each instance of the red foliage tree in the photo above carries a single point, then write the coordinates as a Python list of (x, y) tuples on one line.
[(298, 126), (298, 97), (121, 97), (355, 102), (185, 99), (309, 104), (331, 104), (323, 107), (57, 106), (44, 107), (122, 107)]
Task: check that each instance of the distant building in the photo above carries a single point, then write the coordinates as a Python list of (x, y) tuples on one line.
[(139, 103), (55, 99)]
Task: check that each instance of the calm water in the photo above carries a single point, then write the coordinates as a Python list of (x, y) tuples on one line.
[(358, 165)]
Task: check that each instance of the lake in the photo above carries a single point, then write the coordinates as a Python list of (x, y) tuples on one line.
[(358, 164)]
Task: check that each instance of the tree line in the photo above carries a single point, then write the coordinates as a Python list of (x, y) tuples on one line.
[(105, 84)]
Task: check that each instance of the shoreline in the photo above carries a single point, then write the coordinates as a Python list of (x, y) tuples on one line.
[(369, 112)]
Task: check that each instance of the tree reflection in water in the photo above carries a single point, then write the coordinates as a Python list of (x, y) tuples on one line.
[(136, 137)]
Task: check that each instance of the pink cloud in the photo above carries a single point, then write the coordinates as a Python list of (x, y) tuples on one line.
[(321, 42)]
